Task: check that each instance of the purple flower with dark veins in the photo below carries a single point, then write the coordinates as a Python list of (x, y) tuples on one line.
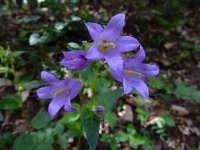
[(108, 42), (134, 72), (60, 91), (75, 60)]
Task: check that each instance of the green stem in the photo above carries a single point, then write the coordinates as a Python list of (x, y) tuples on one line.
[(79, 139)]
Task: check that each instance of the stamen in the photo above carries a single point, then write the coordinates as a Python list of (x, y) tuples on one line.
[(104, 45), (59, 91), (132, 72)]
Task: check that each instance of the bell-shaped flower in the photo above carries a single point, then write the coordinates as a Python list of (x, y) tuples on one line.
[(75, 60), (134, 72), (108, 42), (60, 91)]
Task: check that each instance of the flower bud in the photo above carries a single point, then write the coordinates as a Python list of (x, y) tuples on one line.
[(75, 60), (99, 110)]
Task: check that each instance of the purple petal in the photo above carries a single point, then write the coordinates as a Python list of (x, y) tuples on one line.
[(116, 24), (75, 60), (74, 86), (48, 77), (93, 53), (95, 30), (127, 86), (140, 55), (131, 82), (148, 70), (115, 62), (141, 88), (68, 107), (44, 92), (127, 43), (116, 76), (131, 63), (56, 105)]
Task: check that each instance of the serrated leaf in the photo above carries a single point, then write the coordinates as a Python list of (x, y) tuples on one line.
[(187, 92), (122, 137), (63, 141), (108, 99), (91, 124), (11, 102), (44, 146), (111, 119), (24, 142), (40, 120), (168, 119)]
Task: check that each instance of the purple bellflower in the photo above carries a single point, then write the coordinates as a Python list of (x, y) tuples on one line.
[(134, 72), (60, 91), (75, 60), (108, 42)]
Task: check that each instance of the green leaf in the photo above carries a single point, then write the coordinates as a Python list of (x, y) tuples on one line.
[(157, 83), (70, 118), (30, 19), (168, 119), (59, 128), (11, 102), (187, 92), (63, 141), (105, 137), (197, 48), (73, 46), (44, 146), (122, 137), (111, 119), (40, 120), (102, 85), (34, 39), (4, 69), (1, 117), (24, 142), (108, 99), (91, 124), (131, 130), (135, 142), (113, 144), (72, 133), (33, 84)]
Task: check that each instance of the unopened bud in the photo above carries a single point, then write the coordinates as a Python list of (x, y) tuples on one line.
[(98, 109)]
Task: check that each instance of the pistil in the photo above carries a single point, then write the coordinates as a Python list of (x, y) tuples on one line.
[(59, 91), (104, 45), (132, 72)]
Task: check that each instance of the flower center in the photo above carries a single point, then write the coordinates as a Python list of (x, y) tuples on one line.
[(104, 45), (59, 91), (132, 72)]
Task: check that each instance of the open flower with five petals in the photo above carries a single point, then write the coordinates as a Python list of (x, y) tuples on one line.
[(108, 42), (134, 71), (60, 91)]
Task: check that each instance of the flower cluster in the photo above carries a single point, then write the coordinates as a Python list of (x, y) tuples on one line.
[(108, 44)]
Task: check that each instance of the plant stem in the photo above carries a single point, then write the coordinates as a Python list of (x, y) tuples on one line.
[(79, 139)]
